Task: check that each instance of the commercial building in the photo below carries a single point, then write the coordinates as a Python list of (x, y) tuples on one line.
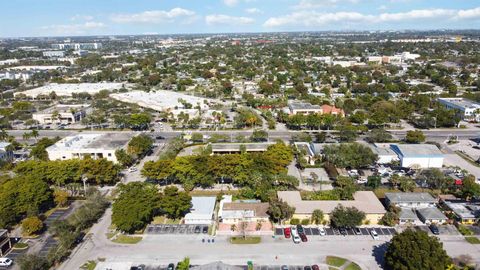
[(5, 243), (54, 54), (77, 46), (67, 89), (384, 152), (411, 200), (307, 108), (6, 154), (231, 148), (468, 110), (94, 145), (61, 113), (419, 155), (232, 212), (365, 201), (202, 211)]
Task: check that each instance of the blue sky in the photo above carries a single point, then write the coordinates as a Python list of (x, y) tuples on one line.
[(105, 17)]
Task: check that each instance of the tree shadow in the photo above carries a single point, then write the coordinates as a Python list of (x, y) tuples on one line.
[(378, 252)]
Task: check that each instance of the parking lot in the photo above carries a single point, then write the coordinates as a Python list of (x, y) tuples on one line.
[(176, 229), (54, 216), (49, 244), (312, 231), (442, 229)]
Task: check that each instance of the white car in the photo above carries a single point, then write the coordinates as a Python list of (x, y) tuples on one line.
[(294, 230), (132, 169), (374, 234), (5, 262), (322, 231), (296, 239), (362, 181)]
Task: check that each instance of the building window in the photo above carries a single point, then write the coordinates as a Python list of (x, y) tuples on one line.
[(109, 154)]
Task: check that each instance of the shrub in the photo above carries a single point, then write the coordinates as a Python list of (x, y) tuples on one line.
[(32, 225), (305, 221), (294, 221)]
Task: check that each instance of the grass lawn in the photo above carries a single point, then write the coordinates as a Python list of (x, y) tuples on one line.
[(247, 240), (125, 239), (90, 265), (110, 235), (158, 220), (332, 268), (20, 246), (352, 266), (335, 261), (472, 240), (172, 221)]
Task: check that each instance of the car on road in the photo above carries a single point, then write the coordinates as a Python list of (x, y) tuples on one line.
[(205, 229), (307, 267), (343, 231), (287, 232), (357, 231), (171, 266), (303, 237), (374, 234), (300, 229), (322, 231), (315, 267), (5, 262), (434, 229), (197, 229)]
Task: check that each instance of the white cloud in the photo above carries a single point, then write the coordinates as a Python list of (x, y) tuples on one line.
[(152, 16), (253, 10), (79, 17), (227, 20), (230, 3), (315, 18), (313, 4), (382, 7), (73, 29)]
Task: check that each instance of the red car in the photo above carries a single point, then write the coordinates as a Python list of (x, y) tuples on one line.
[(303, 237), (287, 232)]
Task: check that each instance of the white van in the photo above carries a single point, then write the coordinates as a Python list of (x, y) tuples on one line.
[(5, 262)]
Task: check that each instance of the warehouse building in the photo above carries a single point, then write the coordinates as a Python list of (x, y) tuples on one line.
[(202, 211), (468, 110), (419, 155)]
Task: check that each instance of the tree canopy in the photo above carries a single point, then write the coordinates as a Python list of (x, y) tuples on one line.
[(349, 155), (346, 216)]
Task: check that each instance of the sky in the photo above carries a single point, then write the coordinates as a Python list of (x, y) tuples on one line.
[(25, 18)]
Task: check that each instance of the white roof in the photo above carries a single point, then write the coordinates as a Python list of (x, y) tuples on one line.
[(113, 266), (202, 208), (106, 141), (67, 89)]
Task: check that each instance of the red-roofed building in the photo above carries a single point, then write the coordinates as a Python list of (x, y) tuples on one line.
[(327, 109)]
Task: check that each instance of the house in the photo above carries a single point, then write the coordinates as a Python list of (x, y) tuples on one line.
[(6, 153), (419, 155), (202, 211), (5, 243), (431, 215), (465, 213), (412, 200), (64, 114), (232, 212), (94, 145), (468, 110), (365, 201)]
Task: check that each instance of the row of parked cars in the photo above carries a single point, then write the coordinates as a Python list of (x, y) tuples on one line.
[(297, 233)]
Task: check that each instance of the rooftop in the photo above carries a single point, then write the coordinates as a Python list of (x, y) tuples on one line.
[(407, 214), (227, 147), (91, 141), (202, 207), (64, 108), (462, 102), (431, 213), (67, 89), (255, 209), (365, 201), (462, 210), (417, 150), (303, 106), (409, 197)]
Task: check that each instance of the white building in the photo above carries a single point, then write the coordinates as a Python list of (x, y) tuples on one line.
[(410, 200), (468, 110), (6, 154), (201, 211), (419, 155), (67, 89), (65, 114), (77, 46), (54, 54), (232, 212), (385, 154), (94, 145)]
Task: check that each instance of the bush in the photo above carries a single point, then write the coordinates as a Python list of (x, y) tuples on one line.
[(294, 221), (305, 221), (32, 225), (464, 230)]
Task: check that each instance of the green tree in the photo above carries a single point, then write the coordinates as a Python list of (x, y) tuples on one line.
[(347, 133), (32, 262), (414, 249), (60, 197), (135, 206), (379, 136), (184, 264), (346, 216), (374, 181), (259, 135), (123, 158), (280, 210), (345, 187), (317, 216), (349, 155), (415, 136), (139, 145), (32, 225), (175, 204), (470, 188)]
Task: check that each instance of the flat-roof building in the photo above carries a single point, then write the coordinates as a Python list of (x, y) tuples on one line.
[(419, 155), (465, 213), (230, 148), (430, 215), (412, 200), (467, 109), (296, 107), (232, 212), (94, 145), (61, 113), (5, 243), (202, 211), (67, 89), (365, 201)]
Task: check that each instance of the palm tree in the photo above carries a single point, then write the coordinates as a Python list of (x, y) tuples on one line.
[(26, 136), (3, 135), (34, 134)]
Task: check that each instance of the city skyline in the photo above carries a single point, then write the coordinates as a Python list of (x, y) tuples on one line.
[(121, 17)]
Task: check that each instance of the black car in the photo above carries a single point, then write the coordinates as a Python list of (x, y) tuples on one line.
[(300, 229), (357, 231), (160, 138), (171, 266), (205, 229), (197, 229), (307, 267), (434, 229), (343, 231)]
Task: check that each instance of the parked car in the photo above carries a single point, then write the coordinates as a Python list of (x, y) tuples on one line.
[(296, 239), (287, 232), (434, 229), (5, 262), (343, 231), (197, 229), (293, 230), (171, 266), (303, 237), (315, 267), (300, 229), (205, 229), (322, 231), (160, 138), (307, 267), (284, 267), (374, 234), (357, 231)]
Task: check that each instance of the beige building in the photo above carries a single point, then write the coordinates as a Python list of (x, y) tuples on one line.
[(232, 212), (365, 201), (61, 114)]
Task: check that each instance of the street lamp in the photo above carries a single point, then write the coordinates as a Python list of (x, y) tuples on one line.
[(84, 179)]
